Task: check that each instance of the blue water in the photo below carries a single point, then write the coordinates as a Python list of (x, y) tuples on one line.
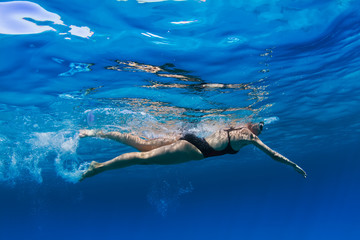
[(154, 68)]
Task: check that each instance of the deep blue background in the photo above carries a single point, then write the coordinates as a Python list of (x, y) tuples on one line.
[(298, 66)]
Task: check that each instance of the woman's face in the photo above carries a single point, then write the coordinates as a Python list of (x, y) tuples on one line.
[(256, 128)]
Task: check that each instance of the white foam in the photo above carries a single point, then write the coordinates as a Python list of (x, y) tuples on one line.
[(32, 165), (69, 168), (13, 171), (64, 144), (70, 145), (271, 120)]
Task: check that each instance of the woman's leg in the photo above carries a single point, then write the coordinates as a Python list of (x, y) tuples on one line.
[(128, 139), (178, 152)]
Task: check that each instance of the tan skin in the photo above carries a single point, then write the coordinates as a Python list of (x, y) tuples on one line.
[(173, 151)]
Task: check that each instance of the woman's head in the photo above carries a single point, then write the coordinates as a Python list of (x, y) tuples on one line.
[(256, 128)]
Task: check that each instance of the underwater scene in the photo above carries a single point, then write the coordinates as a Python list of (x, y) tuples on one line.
[(160, 69)]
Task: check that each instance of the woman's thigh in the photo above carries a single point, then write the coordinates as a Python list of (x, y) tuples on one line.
[(178, 152)]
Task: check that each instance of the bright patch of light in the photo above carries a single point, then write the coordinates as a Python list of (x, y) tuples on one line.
[(23, 17), (17, 18), (147, 34), (184, 22), (81, 31)]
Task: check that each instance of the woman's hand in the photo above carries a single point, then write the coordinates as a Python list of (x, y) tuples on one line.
[(299, 170)]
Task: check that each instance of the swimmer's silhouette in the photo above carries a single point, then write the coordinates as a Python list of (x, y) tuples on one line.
[(183, 148)]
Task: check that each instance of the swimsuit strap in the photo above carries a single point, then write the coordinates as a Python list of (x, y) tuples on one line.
[(228, 148)]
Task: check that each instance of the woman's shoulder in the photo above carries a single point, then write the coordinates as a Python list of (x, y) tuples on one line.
[(243, 133)]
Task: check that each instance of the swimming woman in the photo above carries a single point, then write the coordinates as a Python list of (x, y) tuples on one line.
[(182, 149)]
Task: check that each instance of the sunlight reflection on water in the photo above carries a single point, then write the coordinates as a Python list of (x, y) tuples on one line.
[(23, 17)]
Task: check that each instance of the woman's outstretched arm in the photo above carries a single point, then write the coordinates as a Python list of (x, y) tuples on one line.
[(277, 156)]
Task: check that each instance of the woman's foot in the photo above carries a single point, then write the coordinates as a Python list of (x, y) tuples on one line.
[(93, 169), (87, 133)]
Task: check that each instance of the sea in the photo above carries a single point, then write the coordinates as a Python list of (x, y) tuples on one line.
[(157, 69)]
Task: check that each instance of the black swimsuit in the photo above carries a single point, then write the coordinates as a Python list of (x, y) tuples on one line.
[(205, 147)]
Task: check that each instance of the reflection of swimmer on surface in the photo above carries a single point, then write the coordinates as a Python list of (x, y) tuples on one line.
[(161, 71), (182, 149)]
